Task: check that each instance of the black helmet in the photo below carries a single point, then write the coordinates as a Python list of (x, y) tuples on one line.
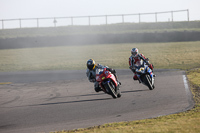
[(90, 64)]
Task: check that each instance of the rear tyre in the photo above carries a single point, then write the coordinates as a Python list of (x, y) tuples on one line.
[(119, 95), (118, 92), (97, 89)]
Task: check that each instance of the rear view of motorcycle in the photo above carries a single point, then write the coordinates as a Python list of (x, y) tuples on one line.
[(108, 82), (145, 75)]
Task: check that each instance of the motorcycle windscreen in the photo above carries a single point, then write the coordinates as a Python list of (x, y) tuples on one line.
[(99, 71)]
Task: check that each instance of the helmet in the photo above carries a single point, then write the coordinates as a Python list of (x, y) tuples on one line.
[(90, 64), (134, 52)]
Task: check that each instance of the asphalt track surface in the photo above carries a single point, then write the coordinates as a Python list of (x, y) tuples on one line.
[(45, 101)]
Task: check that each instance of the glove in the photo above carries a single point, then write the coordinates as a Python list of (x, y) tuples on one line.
[(147, 62)]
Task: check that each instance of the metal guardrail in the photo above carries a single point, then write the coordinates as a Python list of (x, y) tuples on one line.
[(55, 19)]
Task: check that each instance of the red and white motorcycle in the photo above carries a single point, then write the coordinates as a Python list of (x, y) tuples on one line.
[(108, 82)]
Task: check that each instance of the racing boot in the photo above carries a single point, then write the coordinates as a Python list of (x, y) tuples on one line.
[(97, 88), (135, 77)]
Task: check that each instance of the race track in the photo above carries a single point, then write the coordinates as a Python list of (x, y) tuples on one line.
[(47, 101)]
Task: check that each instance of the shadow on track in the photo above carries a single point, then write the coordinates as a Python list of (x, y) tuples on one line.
[(133, 91), (88, 95), (49, 99), (80, 101)]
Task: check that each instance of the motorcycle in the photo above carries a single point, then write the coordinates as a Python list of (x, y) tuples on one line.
[(108, 82), (145, 75)]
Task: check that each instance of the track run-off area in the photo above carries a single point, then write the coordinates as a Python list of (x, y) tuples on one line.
[(44, 101)]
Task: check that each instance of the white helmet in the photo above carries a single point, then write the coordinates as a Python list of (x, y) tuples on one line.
[(134, 52)]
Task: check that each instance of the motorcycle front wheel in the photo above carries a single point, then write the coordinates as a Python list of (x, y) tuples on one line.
[(147, 81), (111, 89)]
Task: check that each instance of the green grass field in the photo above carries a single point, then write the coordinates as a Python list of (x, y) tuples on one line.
[(179, 55)]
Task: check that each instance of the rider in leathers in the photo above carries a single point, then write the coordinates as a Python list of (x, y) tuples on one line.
[(135, 59), (91, 73)]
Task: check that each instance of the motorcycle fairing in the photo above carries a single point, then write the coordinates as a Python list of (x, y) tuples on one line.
[(103, 76)]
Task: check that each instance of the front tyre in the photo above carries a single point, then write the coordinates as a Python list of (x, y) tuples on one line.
[(110, 88), (147, 81)]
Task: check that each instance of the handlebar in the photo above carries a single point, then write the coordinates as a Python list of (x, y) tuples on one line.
[(137, 67)]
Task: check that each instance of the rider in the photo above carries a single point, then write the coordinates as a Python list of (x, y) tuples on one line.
[(135, 59), (91, 73)]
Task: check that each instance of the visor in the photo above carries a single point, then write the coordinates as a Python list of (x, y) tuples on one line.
[(134, 53), (91, 67)]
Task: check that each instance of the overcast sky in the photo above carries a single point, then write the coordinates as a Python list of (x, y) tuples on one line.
[(15, 9)]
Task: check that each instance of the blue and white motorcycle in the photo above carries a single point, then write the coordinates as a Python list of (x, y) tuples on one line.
[(145, 75)]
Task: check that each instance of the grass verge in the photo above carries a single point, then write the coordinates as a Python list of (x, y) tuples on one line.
[(173, 55), (185, 122)]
